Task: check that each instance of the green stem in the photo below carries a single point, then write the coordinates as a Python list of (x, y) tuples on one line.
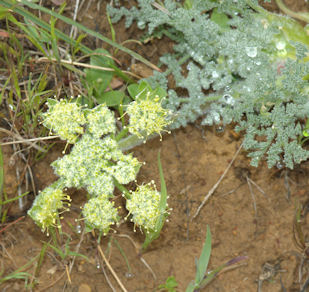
[(122, 133), (52, 231), (121, 188), (11, 200), (130, 142)]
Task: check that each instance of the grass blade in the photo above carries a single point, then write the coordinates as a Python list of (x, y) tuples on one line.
[(204, 258), (81, 27)]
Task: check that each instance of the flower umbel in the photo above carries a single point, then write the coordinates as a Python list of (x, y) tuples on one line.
[(144, 206), (100, 121), (65, 118), (46, 206), (100, 213), (93, 163), (147, 116)]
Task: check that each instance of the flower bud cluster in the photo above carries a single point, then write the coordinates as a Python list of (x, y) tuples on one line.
[(46, 206), (93, 163), (100, 213), (143, 205), (100, 121), (147, 116), (66, 119)]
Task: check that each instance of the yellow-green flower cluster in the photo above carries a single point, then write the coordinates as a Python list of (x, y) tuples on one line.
[(143, 205), (100, 121), (126, 169), (46, 206), (147, 116), (66, 119), (100, 213), (93, 163)]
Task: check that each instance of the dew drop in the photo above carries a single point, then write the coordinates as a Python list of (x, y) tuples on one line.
[(230, 61), (141, 24), (279, 165), (98, 266), (214, 74), (228, 99), (251, 51), (258, 63), (280, 45), (78, 229), (129, 275), (220, 129)]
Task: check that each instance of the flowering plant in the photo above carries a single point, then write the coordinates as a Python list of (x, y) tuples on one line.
[(97, 163)]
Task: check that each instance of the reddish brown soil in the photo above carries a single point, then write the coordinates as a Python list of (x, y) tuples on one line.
[(193, 160)]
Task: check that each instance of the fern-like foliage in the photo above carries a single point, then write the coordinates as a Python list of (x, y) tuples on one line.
[(236, 62)]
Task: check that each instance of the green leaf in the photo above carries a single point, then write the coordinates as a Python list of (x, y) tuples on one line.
[(51, 102), (190, 287), (4, 12), (169, 285), (111, 98), (133, 90), (220, 18), (204, 258), (100, 79), (82, 100), (143, 90)]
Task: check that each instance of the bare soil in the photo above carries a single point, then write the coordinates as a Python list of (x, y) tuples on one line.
[(250, 214)]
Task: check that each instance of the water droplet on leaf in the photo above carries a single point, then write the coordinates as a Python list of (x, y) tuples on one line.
[(228, 99), (214, 74), (279, 165), (251, 51), (280, 45), (141, 24)]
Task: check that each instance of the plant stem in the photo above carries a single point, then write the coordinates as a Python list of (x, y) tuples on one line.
[(121, 188)]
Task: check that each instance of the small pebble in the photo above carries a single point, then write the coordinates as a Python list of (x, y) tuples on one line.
[(84, 288)]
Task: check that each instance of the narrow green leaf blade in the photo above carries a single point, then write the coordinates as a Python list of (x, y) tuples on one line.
[(204, 258)]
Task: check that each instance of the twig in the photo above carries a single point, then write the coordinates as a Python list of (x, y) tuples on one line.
[(12, 223), (161, 8), (140, 257), (252, 195), (74, 28), (68, 274), (52, 284), (44, 59), (148, 267), (22, 140), (26, 141), (217, 183), (108, 280), (111, 270)]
